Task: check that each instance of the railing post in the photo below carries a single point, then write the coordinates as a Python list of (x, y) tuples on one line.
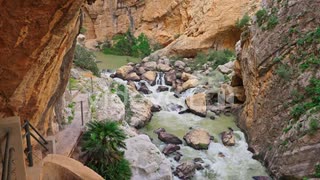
[(81, 113), (29, 146), (6, 158)]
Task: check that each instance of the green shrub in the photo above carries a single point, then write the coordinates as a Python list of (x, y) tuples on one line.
[(272, 22), (215, 57), (317, 171), (73, 84), (103, 143), (83, 30), (128, 45), (261, 15), (314, 126), (244, 22), (85, 60), (284, 72), (297, 111)]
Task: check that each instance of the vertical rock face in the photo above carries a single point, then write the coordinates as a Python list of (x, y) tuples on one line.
[(189, 25), (280, 67), (36, 52)]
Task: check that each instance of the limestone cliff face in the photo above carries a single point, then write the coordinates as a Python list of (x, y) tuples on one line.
[(36, 53), (276, 65), (189, 25)]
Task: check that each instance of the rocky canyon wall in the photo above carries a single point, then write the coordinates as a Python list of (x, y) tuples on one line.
[(187, 25), (278, 60), (36, 53)]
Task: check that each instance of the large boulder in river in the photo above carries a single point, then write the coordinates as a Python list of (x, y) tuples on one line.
[(187, 76), (140, 108), (185, 170), (170, 148), (146, 160), (197, 104), (123, 71), (150, 66), (132, 77), (191, 83), (228, 138), (198, 139), (170, 77), (150, 77), (163, 67), (167, 137)]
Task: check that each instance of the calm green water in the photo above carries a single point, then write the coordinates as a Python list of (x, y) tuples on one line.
[(113, 61)]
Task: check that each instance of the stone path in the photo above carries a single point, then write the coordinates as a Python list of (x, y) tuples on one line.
[(67, 139)]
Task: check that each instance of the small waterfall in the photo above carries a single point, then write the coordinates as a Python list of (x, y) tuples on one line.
[(160, 79)]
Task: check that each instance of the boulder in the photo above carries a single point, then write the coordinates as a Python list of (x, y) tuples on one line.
[(170, 77), (110, 106), (164, 60), (150, 77), (174, 107), (163, 67), (146, 160), (177, 157), (179, 64), (132, 77), (187, 70), (144, 88), (141, 70), (185, 170), (191, 83), (232, 94), (198, 139), (170, 148), (228, 138), (150, 66), (123, 71), (141, 110), (226, 68), (132, 84), (186, 76), (197, 104), (167, 137), (162, 88), (156, 108)]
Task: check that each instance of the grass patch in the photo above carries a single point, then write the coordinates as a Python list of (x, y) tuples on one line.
[(284, 71), (314, 126), (216, 58)]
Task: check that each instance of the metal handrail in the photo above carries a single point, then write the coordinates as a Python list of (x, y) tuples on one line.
[(7, 158), (28, 134)]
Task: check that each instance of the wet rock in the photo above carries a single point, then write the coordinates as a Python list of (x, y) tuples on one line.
[(228, 138), (156, 108), (176, 95), (162, 88), (212, 98), (198, 139), (144, 88), (261, 178), (146, 161), (170, 77), (123, 71), (167, 137), (163, 67), (220, 154), (179, 64), (174, 107), (132, 77), (212, 117), (198, 160), (191, 83), (177, 157), (150, 66), (185, 111), (150, 77), (197, 104), (170, 148), (185, 170), (132, 84)]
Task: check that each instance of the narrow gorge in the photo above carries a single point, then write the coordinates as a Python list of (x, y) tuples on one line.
[(161, 90)]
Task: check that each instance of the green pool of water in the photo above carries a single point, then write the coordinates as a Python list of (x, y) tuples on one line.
[(107, 61)]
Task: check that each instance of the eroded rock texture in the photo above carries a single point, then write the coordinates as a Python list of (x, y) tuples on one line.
[(277, 65), (36, 52), (189, 25)]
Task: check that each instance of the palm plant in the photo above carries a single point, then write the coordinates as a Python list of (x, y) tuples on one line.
[(103, 143)]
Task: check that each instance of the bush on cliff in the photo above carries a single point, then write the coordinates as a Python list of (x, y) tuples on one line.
[(85, 59), (103, 143), (129, 45), (215, 58)]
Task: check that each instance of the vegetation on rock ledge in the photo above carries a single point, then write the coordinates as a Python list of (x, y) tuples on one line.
[(86, 60)]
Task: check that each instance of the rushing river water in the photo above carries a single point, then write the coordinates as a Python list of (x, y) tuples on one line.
[(237, 163)]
